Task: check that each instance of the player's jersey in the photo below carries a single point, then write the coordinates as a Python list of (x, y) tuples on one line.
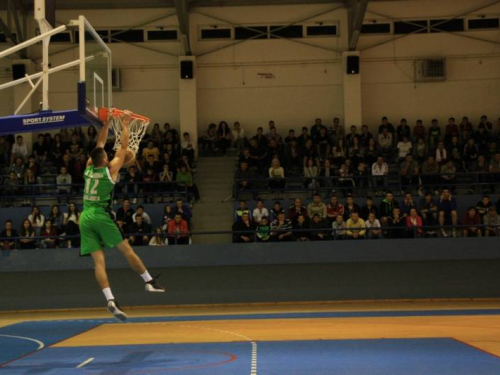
[(98, 188)]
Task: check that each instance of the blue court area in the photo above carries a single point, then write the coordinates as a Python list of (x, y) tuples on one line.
[(25, 348)]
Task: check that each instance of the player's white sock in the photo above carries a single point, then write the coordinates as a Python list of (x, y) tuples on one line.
[(108, 294), (146, 277)]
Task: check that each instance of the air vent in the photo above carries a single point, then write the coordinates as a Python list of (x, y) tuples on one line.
[(430, 70)]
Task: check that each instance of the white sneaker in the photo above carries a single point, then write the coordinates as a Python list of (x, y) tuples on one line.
[(116, 311)]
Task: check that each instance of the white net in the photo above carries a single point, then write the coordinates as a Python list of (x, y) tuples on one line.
[(138, 127)]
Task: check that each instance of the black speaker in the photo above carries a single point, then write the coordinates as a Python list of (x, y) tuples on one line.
[(186, 69), (352, 64), (18, 71)]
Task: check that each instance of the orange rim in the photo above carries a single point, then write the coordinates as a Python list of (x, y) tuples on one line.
[(103, 114)]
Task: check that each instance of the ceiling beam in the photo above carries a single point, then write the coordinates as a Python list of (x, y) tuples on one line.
[(357, 10), (182, 8)]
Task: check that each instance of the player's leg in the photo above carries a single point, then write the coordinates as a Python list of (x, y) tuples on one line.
[(138, 266), (102, 279)]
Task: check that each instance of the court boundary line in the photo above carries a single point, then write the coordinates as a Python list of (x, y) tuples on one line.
[(475, 347), (41, 345), (257, 304)]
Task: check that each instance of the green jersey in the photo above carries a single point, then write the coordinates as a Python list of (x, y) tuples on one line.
[(98, 188)]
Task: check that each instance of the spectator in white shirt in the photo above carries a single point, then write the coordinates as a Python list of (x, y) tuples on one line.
[(259, 212), (373, 227), (19, 150), (385, 140), (36, 219), (239, 139), (441, 154), (140, 211), (380, 171), (404, 148)]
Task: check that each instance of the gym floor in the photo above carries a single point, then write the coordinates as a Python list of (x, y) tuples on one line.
[(416, 337)]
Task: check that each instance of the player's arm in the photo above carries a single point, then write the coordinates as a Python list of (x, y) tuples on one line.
[(117, 162), (103, 135)]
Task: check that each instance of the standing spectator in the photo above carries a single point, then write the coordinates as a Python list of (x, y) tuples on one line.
[(472, 223), (157, 239), (140, 230), (19, 150), (126, 214), (36, 218), (386, 208), (338, 226), (145, 217), (297, 209), (9, 236), (300, 228), (447, 209), (317, 207), (373, 226), (380, 172), (317, 227), (224, 137), (246, 226), (26, 236), (263, 231), (259, 212), (282, 228), (49, 232), (492, 222), (355, 227), (334, 209), (414, 224)]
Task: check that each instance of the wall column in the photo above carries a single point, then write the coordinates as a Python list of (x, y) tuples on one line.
[(188, 113), (352, 95), (20, 93)]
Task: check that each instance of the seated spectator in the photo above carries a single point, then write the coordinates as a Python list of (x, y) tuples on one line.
[(151, 150), (334, 209), (19, 150), (373, 230), (441, 154), (209, 139), (311, 174), (244, 176), (11, 185), (187, 148), (355, 227), (408, 205), (26, 236), (178, 231), (64, 181), (139, 232), (434, 134), (184, 210), (470, 155), (350, 207), (317, 207), (242, 209), (126, 213), (300, 228), (420, 151), (297, 209), (56, 218), (414, 224), (472, 222), (168, 216), (158, 239), (448, 176), (132, 177), (403, 130), (259, 212), (18, 167), (397, 224), (282, 228), (368, 208), (263, 231), (492, 222), (276, 175), (277, 210), (140, 211), (338, 226), (409, 172), (149, 186), (71, 225), (224, 137), (494, 168), (380, 171), (167, 177), (386, 208), (430, 170), (317, 227), (483, 206), (244, 230), (447, 209), (36, 218), (239, 139), (404, 148), (186, 177), (429, 212), (385, 141), (9, 236), (49, 232)]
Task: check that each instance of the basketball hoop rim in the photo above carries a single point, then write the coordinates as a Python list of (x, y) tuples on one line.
[(103, 114)]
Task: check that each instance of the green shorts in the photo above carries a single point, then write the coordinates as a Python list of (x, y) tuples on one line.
[(98, 228)]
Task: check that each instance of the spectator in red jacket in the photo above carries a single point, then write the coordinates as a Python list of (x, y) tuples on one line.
[(414, 224), (178, 231), (472, 221)]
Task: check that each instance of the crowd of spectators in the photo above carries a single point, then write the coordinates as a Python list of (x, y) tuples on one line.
[(425, 158), (336, 220), (57, 229), (164, 163)]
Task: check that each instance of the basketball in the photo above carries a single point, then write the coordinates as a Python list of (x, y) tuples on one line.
[(129, 159)]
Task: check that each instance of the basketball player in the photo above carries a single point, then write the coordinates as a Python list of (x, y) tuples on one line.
[(97, 226)]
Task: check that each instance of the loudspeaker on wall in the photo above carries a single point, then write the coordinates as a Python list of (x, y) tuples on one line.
[(186, 69), (352, 64)]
